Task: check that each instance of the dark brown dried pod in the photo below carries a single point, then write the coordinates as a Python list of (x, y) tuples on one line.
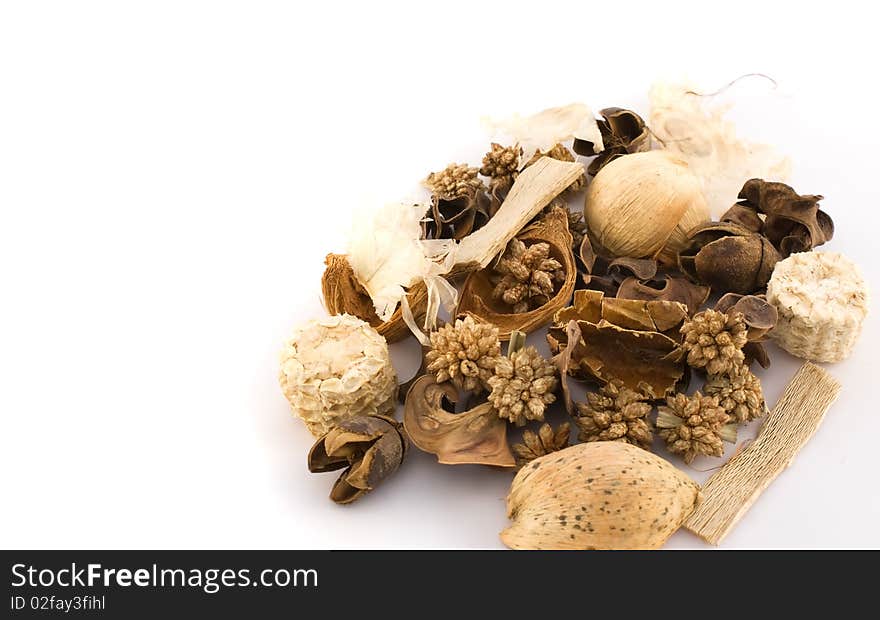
[(602, 272), (793, 223), (634, 341), (666, 287), (760, 316), (370, 448), (477, 436), (623, 132), (456, 217), (728, 257), (343, 294)]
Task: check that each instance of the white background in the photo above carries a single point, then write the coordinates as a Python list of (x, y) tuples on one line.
[(173, 173)]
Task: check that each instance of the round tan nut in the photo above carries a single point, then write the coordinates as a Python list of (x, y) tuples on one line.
[(822, 301)]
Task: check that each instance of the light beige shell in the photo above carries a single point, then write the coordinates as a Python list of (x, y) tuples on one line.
[(643, 204), (822, 301), (337, 368), (600, 495)]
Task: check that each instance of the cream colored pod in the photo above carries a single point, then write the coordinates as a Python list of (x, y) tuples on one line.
[(644, 204), (822, 301), (337, 368)]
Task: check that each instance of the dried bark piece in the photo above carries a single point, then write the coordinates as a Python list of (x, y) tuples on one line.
[(371, 448), (545, 441), (477, 436), (600, 495), (533, 190), (562, 154), (732, 490), (477, 292), (634, 341), (793, 223), (728, 257), (623, 132), (343, 294)]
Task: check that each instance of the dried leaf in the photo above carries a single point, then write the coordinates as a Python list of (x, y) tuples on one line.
[(624, 339)]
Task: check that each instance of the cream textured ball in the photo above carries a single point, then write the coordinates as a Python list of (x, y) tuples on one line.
[(337, 368), (822, 301)]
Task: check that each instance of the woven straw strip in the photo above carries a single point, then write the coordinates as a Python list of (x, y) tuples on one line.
[(730, 492)]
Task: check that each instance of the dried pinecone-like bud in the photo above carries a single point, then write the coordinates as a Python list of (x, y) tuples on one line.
[(456, 180), (522, 386), (615, 413), (526, 277), (562, 154), (465, 353), (739, 393), (501, 164), (545, 441), (714, 340), (692, 425)]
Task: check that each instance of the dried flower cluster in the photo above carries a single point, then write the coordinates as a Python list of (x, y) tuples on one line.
[(526, 276), (542, 443), (693, 425), (454, 181), (714, 341), (464, 352), (615, 413), (522, 386)]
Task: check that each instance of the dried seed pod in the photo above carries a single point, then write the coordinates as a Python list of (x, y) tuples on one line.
[(456, 217), (822, 301), (793, 223), (477, 436), (601, 495), (728, 257), (623, 132), (334, 369), (665, 288), (476, 293), (371, 448), (642, 205), (343, 294)]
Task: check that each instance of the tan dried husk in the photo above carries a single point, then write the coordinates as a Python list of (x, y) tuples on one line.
[(585, 497), (344, 295), (634, 341), (477, 436), (642, 205), (476, 294)]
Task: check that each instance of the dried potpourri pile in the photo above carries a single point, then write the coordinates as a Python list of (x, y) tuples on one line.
[(689, 252)]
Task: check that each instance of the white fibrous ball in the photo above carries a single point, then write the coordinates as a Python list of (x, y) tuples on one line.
[(336, 368)]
